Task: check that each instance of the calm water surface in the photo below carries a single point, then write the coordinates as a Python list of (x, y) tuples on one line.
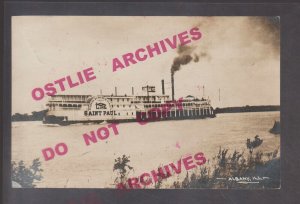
[(148, 146)]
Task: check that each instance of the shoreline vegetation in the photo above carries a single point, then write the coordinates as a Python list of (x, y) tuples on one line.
[(39, 115), (23, 176), (252, 169)]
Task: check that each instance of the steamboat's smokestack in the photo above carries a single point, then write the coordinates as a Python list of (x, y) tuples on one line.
[(132, 90), (172, 82), (163, 87), (116, 91)]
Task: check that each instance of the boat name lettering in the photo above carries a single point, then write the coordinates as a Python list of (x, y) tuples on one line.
[(99, 113)]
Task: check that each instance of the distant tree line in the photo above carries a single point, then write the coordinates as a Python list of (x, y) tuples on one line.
[(35, 116), (247, 109)]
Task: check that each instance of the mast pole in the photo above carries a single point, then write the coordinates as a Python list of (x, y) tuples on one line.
[(148, 93)]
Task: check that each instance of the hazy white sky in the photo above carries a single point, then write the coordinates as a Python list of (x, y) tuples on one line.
[(241, 57)]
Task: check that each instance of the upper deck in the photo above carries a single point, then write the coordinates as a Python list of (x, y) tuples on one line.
[(118, 101), (111, 98)]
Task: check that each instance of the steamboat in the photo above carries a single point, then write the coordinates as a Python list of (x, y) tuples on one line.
[(70, 109)]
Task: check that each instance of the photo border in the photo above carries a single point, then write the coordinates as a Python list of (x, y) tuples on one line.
[(289, 102)]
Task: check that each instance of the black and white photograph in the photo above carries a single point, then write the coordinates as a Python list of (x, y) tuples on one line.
[(145, 102)]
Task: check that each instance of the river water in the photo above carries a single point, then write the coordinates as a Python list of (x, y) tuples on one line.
[(149, 146)]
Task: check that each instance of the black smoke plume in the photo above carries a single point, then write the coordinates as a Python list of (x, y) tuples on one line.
[(185, 56), (180, 60)]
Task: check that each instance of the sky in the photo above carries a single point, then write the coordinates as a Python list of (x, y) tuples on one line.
[(238, 55)]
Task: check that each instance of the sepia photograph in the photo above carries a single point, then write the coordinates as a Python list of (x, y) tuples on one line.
[(145, 102)]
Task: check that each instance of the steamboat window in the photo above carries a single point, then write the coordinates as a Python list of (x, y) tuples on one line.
[(124, 106), (123, 99), (112, 106), (132, 113), (118, 106), (117, 100), (79, 106), (60, 105), (127, 99)]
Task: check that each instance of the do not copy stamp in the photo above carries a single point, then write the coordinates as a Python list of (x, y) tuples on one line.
[(103, 133), (194, 55), (142, 54), (145, 179), (64, 83)]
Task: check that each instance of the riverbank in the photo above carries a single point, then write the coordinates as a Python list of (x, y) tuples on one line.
[(243, 109)]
